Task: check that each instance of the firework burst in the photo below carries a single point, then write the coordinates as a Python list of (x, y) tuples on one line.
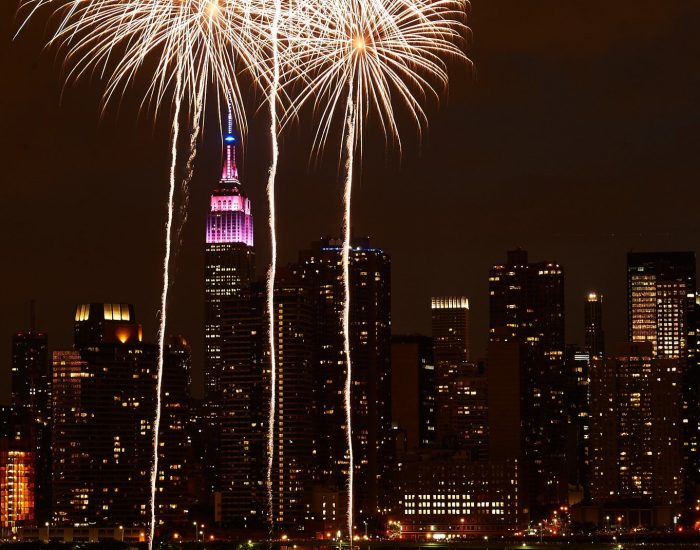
[(184, 47), (358, 59)]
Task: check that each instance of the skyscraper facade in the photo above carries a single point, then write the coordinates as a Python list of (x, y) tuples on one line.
[(320, 271), (294, 438), (636, 444), (527, 306), (413, 391), (661, 309), (594, 337), (31, 401), (104, 405), (17, 488), (173, 499), (244, 410), (460, 398), (229, 256), (229, 273)]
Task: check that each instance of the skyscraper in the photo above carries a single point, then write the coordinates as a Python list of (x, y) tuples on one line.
[(594, 338), (104, 406), (244, 410), (661, 297), (293, 441), (173, 501), (636, 428), (461, 405), (413, 390), (661, 301), (320, 271), (229, 256), (229, 273), (527, 307), (31, 401), (17, 490)]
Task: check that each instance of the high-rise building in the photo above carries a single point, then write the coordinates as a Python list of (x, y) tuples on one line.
[(661, 301), (578, 363), (244, 409), (229, 257), (293, 437), (173, 501), (103, 410), (31, 401), (413, 391), (17, 489), (527, 307), (229, 273), (594, 337), (320, 271), (461, 386), (661, 309), (636, 428)]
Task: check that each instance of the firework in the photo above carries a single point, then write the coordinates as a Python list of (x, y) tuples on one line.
[(210, 43), (272, 101), (362, 58), (182, 45)]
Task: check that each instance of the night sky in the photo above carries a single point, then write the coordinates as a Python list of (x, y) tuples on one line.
[(576, 137)]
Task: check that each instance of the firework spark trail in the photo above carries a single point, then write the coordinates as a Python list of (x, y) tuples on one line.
[(189, 166), (164, 304), (347, 202), (384, 53), (272, 274)]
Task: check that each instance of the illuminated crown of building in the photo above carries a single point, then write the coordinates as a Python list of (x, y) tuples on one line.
[(450, 302), (230, 219)]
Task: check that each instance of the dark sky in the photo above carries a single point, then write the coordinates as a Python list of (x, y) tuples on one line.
[(577, 138)]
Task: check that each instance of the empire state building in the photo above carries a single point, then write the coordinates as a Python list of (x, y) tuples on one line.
[(229, 257)]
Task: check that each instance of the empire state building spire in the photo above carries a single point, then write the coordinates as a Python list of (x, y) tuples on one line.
[(229, 172), (230, 218)]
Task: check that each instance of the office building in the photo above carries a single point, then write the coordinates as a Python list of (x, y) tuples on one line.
[(636, 428), (173, 501), (526, 304), (17, 489), (661, 309), (461, 386), (31, 402), (594, 337), (103, 410), (413, 391), (229, 257), (293, 436), (319, 270), (244, 408)]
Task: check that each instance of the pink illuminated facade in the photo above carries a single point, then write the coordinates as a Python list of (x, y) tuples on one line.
[(229, 257), (230, 219)]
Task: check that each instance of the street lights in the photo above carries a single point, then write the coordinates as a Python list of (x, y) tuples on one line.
[(121, 533), (540, 524), (48, 534), (196, 536)]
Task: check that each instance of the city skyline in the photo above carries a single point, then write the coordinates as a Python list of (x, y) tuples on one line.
[(477, 159), (484, 326)]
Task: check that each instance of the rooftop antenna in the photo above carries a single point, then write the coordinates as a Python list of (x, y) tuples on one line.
[(32, 315)]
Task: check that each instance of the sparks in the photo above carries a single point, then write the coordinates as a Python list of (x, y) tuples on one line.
[(361, 57), (350, 59), (201, 42), (347, 210), (163, 306), (272, 100)]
